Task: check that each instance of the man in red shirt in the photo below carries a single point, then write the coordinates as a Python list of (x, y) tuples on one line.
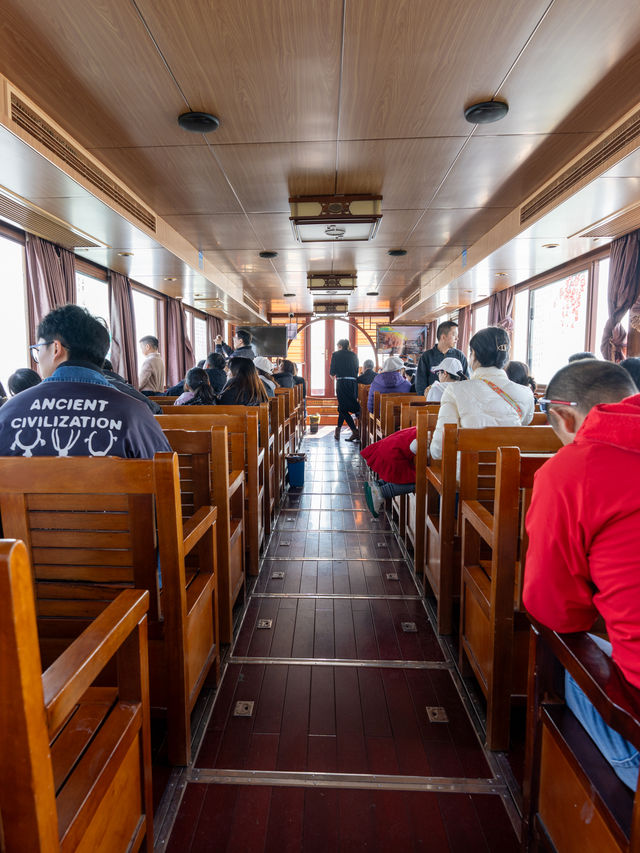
[(584, 530)]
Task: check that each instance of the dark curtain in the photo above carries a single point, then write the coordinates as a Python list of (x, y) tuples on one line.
[(215, 327), (464, 328), (624, 289), (123, 333), (51, 279), (179, 355), (501, 309), (431, 334)]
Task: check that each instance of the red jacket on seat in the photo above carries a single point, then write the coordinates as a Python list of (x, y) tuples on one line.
[(391, 459), (584, 530)]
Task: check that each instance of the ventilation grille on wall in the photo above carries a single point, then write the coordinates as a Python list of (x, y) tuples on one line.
[(31, 219), (582, 168), (251, 302), (619, 223), (38, 129), (411, 299)]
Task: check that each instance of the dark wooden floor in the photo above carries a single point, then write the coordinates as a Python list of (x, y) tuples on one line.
[(339, 753)]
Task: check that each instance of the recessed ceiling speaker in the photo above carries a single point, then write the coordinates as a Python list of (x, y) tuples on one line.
[(288, 295), (268, 254), (198, 122), (486, 112), (397, 253), (372, 292)]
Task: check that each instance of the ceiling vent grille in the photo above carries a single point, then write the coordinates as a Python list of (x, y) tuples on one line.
[(35, 221), (44, 134), (251, 302), (620, 223), (410, 300), (607, 148)]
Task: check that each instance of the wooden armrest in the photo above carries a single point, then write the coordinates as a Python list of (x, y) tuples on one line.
[(197, 525), (71, 674), (434, 474), (236, 479), (480, 519), (261, 457), (617, 701)]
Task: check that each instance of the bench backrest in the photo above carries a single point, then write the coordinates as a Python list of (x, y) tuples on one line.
[(391, 404), (409, 411)]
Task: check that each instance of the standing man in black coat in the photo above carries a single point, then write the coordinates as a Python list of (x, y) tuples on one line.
[(447, 338), (344, 369)]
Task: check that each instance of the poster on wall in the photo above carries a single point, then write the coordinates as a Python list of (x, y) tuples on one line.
[(400, 340)]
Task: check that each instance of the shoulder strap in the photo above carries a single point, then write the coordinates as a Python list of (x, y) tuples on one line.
[(504, 396)]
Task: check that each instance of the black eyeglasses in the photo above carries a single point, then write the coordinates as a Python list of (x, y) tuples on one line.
[(34, 349), (545, 403)]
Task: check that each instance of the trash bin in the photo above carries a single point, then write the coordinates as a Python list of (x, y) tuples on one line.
[(295, 468), (314, 422)]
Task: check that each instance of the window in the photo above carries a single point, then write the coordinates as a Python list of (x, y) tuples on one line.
[(519, 349), (145, 310), (93, 294), (558, 325), (480, 317), (13, 319), (199, 339)]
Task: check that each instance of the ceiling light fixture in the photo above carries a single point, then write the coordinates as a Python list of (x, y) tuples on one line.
[(331, 218), (289, 295), (196, 122), (268, 254), (329, 283), (125, 254), (550, 245), (397, 253), (485, 112), (170, 278)]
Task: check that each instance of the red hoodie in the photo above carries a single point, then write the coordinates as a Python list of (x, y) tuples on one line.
[(584, 530)]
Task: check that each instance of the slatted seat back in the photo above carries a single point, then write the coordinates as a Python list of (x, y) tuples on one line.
[(391, 405), (409, 411), (426, 419), (363, 396), (276, 415), (289, 418)]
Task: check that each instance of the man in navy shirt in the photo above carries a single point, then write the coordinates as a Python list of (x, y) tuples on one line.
[(447, 337), (75, 411)]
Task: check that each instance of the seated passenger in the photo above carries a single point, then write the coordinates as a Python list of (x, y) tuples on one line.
[(75, 411), (580, 356), (449, 370), (215, 367), (488, 399), (265, 372), (121, 384), (22, 379), (390, 381), (583, 524), (197, 389), (518, 372), (368, 373), (631, 365), (286, 375), (244, 387), (299, 380)]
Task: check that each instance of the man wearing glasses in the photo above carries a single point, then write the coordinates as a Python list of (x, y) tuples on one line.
[(75, 411), (583, 560)]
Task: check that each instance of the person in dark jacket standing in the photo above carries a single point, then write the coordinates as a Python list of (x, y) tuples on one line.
[(344, 369), (447, 337), (368, 373), (241, 343)]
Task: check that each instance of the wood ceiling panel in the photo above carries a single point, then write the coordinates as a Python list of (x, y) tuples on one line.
[(180, 179), (422, 257), (316, 259), (579, 72), (412, 66), (269, 70), (94, 69), (240, 261), (215, 232), (265, 176), (405, 172), (501, 171), (454, 226)]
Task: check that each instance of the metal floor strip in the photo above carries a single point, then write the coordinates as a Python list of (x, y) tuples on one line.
[(377, 664), (336, 595), (351, 781)]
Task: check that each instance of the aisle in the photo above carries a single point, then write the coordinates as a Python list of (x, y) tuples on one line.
[(334, 675)]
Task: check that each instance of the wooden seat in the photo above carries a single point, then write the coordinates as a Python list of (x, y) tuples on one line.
[(494, 629), (391, 405), (573, 800), (476, 449), (289, 418), (90, 526), (242, 421), (424, 418), (277, 419), (363, 423), (76, 759), (205, 478)]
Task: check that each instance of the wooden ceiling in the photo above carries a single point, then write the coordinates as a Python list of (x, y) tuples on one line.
[(322, 97)]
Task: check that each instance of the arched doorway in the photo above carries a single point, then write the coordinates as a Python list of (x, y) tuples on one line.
[(320, 342)]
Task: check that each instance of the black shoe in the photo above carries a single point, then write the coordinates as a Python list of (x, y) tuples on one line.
[(354, 436), (336, 434)]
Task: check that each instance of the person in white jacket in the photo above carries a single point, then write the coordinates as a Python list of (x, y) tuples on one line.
[(488, 399)]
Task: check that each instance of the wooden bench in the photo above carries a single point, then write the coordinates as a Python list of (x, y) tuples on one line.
[(244, 422), (424, 419), (363, 423), (76, 759), (494, 629), (94, 526), (573, 801), (289, 419), (390, 410), (277, 418), (205, 478), (476, 449)]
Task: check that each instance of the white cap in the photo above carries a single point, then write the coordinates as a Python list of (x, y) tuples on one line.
[(263, 363), (449, 365), (394, 362)]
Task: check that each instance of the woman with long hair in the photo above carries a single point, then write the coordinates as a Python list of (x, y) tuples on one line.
[(244, 387), (197, 389)]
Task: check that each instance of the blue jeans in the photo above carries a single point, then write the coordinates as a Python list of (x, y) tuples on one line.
[(390, 490), (620, 754)]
